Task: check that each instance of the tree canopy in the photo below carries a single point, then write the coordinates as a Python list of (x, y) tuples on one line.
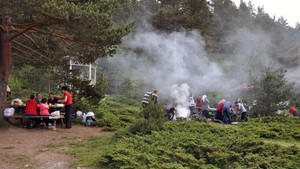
[(45, 31)]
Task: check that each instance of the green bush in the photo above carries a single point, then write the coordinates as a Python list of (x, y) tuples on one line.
[(278, 127), (113, 115), (151, 118), (197, 145)]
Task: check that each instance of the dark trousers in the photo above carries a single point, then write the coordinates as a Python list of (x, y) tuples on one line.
[(68, 114), (244, 116), (227, 116), (205, 113), (191, 110), (219, 115)]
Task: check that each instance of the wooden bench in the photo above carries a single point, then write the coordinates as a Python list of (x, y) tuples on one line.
[(22, 118)]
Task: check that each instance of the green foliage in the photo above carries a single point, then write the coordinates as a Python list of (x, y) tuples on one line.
[(198, 145), (188, 14), (271, 91), (277, 127), (112, 115), (87, 95), (151, 118), (83, 104)]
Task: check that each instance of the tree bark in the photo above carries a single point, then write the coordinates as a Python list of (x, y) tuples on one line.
[(5, 62)]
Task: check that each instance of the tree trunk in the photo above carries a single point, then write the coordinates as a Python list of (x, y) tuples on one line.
[(5, 62)]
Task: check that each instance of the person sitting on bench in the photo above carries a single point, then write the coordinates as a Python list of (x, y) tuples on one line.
[(31, 110), (44, 111)]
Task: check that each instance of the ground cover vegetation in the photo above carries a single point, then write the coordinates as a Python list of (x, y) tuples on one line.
[(197, 145)]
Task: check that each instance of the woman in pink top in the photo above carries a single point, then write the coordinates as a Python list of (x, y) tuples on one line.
[(44, 108), (44, 111)]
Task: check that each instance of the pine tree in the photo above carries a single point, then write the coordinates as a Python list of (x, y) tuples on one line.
[(44, 31)]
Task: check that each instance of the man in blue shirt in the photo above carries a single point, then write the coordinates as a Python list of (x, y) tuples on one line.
[(226, 110)]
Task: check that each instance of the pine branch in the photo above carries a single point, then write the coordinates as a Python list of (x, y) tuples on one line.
[(19, 50), (70, 46), (20, 56), (32, 27), (24, 24), (62, 37), (28, 37), (26, 47), (52, 34)]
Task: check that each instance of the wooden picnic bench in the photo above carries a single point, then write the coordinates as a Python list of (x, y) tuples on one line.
[(22, 118)]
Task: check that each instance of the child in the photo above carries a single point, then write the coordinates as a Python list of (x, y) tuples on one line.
[(44, 111), (44, 108)]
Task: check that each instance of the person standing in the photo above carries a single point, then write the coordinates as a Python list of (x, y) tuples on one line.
[(67, 99), (198, 104), (154, 96), (205, 107), (192, 105), (8, 93), (147, 95), (226, 111), (241, 109)]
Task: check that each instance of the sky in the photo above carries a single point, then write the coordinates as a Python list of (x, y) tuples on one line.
[(288, 9)]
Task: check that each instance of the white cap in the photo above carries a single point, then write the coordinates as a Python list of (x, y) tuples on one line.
[(8, 89)]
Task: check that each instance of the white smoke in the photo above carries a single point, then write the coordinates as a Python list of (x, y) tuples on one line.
[(174, 58), (180, 95)]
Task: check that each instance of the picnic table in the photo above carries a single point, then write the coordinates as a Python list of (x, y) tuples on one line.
[(20, 110)]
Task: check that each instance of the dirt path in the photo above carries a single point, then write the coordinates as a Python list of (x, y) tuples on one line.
[(40, 148)]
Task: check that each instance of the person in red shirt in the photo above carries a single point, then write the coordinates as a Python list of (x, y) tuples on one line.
[(31, 107), (31, 110), (67, 99), (198, 104), (294, 112), (219, 113)]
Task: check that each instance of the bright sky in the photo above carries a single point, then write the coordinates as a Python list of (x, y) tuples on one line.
[(288, 9)]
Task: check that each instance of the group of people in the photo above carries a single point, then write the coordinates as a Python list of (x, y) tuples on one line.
[(40, 106), (223, 110)]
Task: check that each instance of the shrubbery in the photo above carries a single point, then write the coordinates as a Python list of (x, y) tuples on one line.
[(151, 118), (278, 127), (199, 145), (112, 115)]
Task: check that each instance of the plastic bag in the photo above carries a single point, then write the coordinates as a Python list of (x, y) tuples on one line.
[(9, 112), (54, 115)]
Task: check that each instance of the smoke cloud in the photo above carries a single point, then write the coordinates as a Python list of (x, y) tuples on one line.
[(181, 95)]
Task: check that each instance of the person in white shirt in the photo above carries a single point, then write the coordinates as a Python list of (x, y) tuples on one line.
[(241, 109), (192, 104)]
